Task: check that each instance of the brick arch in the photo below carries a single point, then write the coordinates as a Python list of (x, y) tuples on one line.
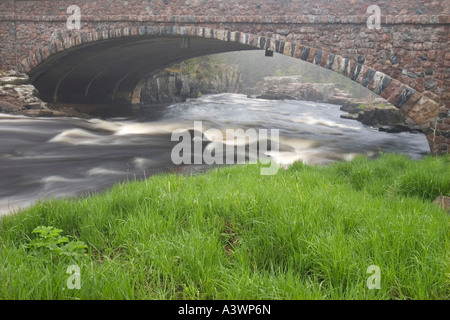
[(413, 104)]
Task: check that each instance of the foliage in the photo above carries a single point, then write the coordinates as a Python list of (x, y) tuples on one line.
[(198, 68), (50, 238), (308, 232)]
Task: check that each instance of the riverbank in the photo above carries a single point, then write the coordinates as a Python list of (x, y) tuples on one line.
[(372, 112), (309, 232), (18, 97)]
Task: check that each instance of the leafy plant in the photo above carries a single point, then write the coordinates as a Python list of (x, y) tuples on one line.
[(50, 238)]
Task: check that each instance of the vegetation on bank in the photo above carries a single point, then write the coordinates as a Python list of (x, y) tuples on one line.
[(200, 68), (375, 106), (306, 233)]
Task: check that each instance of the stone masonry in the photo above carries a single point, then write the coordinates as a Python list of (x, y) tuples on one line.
[(406, 61)]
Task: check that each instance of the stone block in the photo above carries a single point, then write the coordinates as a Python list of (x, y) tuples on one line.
[(390, 88), (424, 112)]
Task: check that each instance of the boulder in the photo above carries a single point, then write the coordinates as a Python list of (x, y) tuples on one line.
[(20, 98), (381, 117), (169, 86), (349, 116), (351, 108), (13, 78), (8, 107)]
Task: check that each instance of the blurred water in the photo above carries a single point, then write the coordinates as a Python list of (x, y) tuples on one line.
[(58, 157)]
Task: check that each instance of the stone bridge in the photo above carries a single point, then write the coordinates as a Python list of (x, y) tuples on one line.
[(405, 59)]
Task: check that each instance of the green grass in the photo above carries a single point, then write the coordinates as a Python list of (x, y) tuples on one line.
[(306, 233)]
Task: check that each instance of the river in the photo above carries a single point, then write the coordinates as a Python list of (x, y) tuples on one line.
[(43, 158)]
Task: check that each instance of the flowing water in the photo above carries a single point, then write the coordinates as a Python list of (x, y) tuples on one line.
[(61, 157)]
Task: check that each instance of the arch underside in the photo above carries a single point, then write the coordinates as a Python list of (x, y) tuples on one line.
[(108, 71)]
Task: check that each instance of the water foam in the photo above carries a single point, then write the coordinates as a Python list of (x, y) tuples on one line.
[(78, 137)]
